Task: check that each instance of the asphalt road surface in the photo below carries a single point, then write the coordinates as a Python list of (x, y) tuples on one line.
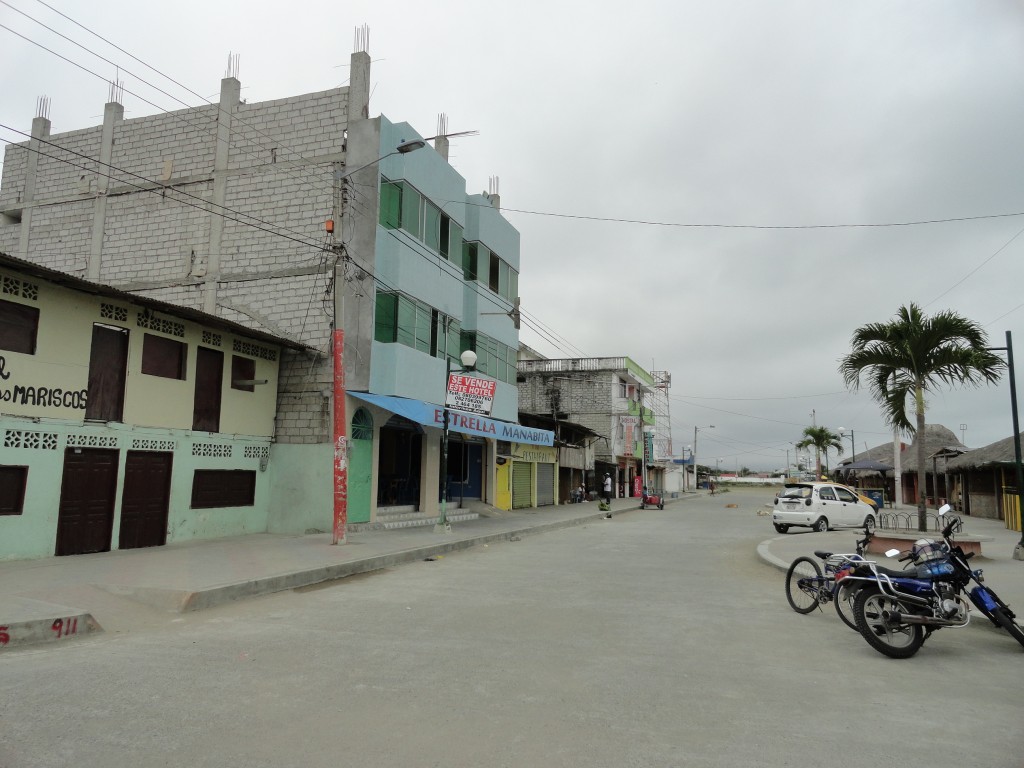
[(656, 638)]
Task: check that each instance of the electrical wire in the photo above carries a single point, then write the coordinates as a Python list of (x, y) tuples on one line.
[(235, 118), (206, 206), (860, 225)]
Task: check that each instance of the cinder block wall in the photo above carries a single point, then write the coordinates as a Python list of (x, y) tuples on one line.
[(279, 174)]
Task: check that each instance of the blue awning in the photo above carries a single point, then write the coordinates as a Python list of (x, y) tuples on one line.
[(431, 415)]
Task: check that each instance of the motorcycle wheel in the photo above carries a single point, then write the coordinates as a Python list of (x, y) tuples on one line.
[(1001, 618), (803, 585), (844, 597), (899, 641)]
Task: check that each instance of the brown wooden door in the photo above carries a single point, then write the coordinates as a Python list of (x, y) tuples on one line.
[(108, 365), (85, 519), (145, 500), (209, 380)]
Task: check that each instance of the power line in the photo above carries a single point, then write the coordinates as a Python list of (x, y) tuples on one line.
[(234, 117), (206, 206), (534, 324), (760, 226)]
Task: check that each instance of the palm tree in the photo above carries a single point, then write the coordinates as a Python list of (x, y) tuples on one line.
[(913, 354), (823, 440)]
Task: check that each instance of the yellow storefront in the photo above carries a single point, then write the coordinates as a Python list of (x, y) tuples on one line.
[(527, 477)]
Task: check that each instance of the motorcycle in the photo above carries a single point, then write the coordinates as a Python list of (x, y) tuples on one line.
[(896, 611)]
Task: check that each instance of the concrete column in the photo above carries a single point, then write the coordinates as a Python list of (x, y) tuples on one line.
[(113, 113), (441, 146), (40, 130), (430, 472), (230, 95), (359, 86)]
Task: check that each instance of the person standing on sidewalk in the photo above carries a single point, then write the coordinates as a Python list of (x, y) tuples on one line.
[(607, 488)]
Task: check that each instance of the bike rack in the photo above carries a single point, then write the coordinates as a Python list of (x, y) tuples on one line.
[(907, 521)]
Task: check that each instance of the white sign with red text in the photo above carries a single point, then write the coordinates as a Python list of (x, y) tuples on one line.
[(470, 394)]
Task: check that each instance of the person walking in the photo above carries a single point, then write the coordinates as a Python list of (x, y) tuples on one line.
[(607, 488)]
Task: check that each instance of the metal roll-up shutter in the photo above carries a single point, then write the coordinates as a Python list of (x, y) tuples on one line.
[(522, 484), (545, 484)]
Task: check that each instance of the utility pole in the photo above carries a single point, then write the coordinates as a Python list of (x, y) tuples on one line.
[(339, 434)]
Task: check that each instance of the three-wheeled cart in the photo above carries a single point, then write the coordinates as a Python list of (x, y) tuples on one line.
[(650, 499)]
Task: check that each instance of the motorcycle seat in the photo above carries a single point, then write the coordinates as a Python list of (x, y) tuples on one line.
[(892, 573)]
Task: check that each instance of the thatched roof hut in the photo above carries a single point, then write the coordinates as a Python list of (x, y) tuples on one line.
[(882, 453), (999, 453), (938, 440)]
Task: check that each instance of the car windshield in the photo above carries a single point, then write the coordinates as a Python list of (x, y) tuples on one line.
[(797, 492)]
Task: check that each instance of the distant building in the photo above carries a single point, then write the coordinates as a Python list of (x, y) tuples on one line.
[(618, 401)]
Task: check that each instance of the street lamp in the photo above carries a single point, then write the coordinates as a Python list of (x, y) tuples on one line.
[(468, 359), (686, 473), (1018, 551), (853, 443), (695, 475), (339, 436)]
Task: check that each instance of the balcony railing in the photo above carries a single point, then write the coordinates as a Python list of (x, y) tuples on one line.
[(586, 364)]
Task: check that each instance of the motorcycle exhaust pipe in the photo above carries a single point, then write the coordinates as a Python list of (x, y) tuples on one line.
[(895, 617)]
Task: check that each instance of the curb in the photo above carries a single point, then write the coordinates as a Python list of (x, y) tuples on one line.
[(209, 598), (46, 623)]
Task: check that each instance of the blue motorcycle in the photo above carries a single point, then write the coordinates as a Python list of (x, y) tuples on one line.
[(896, 611)]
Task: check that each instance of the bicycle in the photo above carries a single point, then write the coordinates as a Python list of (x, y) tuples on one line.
[(808, 588)]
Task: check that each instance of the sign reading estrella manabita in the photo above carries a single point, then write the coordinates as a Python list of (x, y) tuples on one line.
[(470, 394)]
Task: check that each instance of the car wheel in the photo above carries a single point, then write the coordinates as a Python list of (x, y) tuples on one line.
[(869, 524), (821, 526), (780, 528)]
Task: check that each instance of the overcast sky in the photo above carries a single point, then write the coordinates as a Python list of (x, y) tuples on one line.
[(766, 116)]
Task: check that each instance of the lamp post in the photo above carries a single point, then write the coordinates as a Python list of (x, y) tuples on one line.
[(853, 443), (686, 474), (696, 476), (468, 359), (339, 436), (1018, 551)]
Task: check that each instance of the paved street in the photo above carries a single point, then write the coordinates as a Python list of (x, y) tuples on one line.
[(656, 638)]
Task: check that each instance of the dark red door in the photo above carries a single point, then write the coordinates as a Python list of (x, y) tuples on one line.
[(209, 380), (145, 500), (85, 519)]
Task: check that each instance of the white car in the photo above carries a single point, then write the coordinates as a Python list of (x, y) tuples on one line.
[(821, 506)]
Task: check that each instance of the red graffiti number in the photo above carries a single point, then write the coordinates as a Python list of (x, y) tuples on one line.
[(5, 636), (65, 627)]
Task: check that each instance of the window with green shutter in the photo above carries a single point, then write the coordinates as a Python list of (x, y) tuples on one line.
[(390, 204), (412, 210), (432, 226), (385, 317), (469, 254)]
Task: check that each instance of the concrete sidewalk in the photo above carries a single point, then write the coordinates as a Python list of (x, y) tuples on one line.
[(62, 598)]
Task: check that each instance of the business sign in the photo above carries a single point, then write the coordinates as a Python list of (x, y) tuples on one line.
[(470, 394)]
